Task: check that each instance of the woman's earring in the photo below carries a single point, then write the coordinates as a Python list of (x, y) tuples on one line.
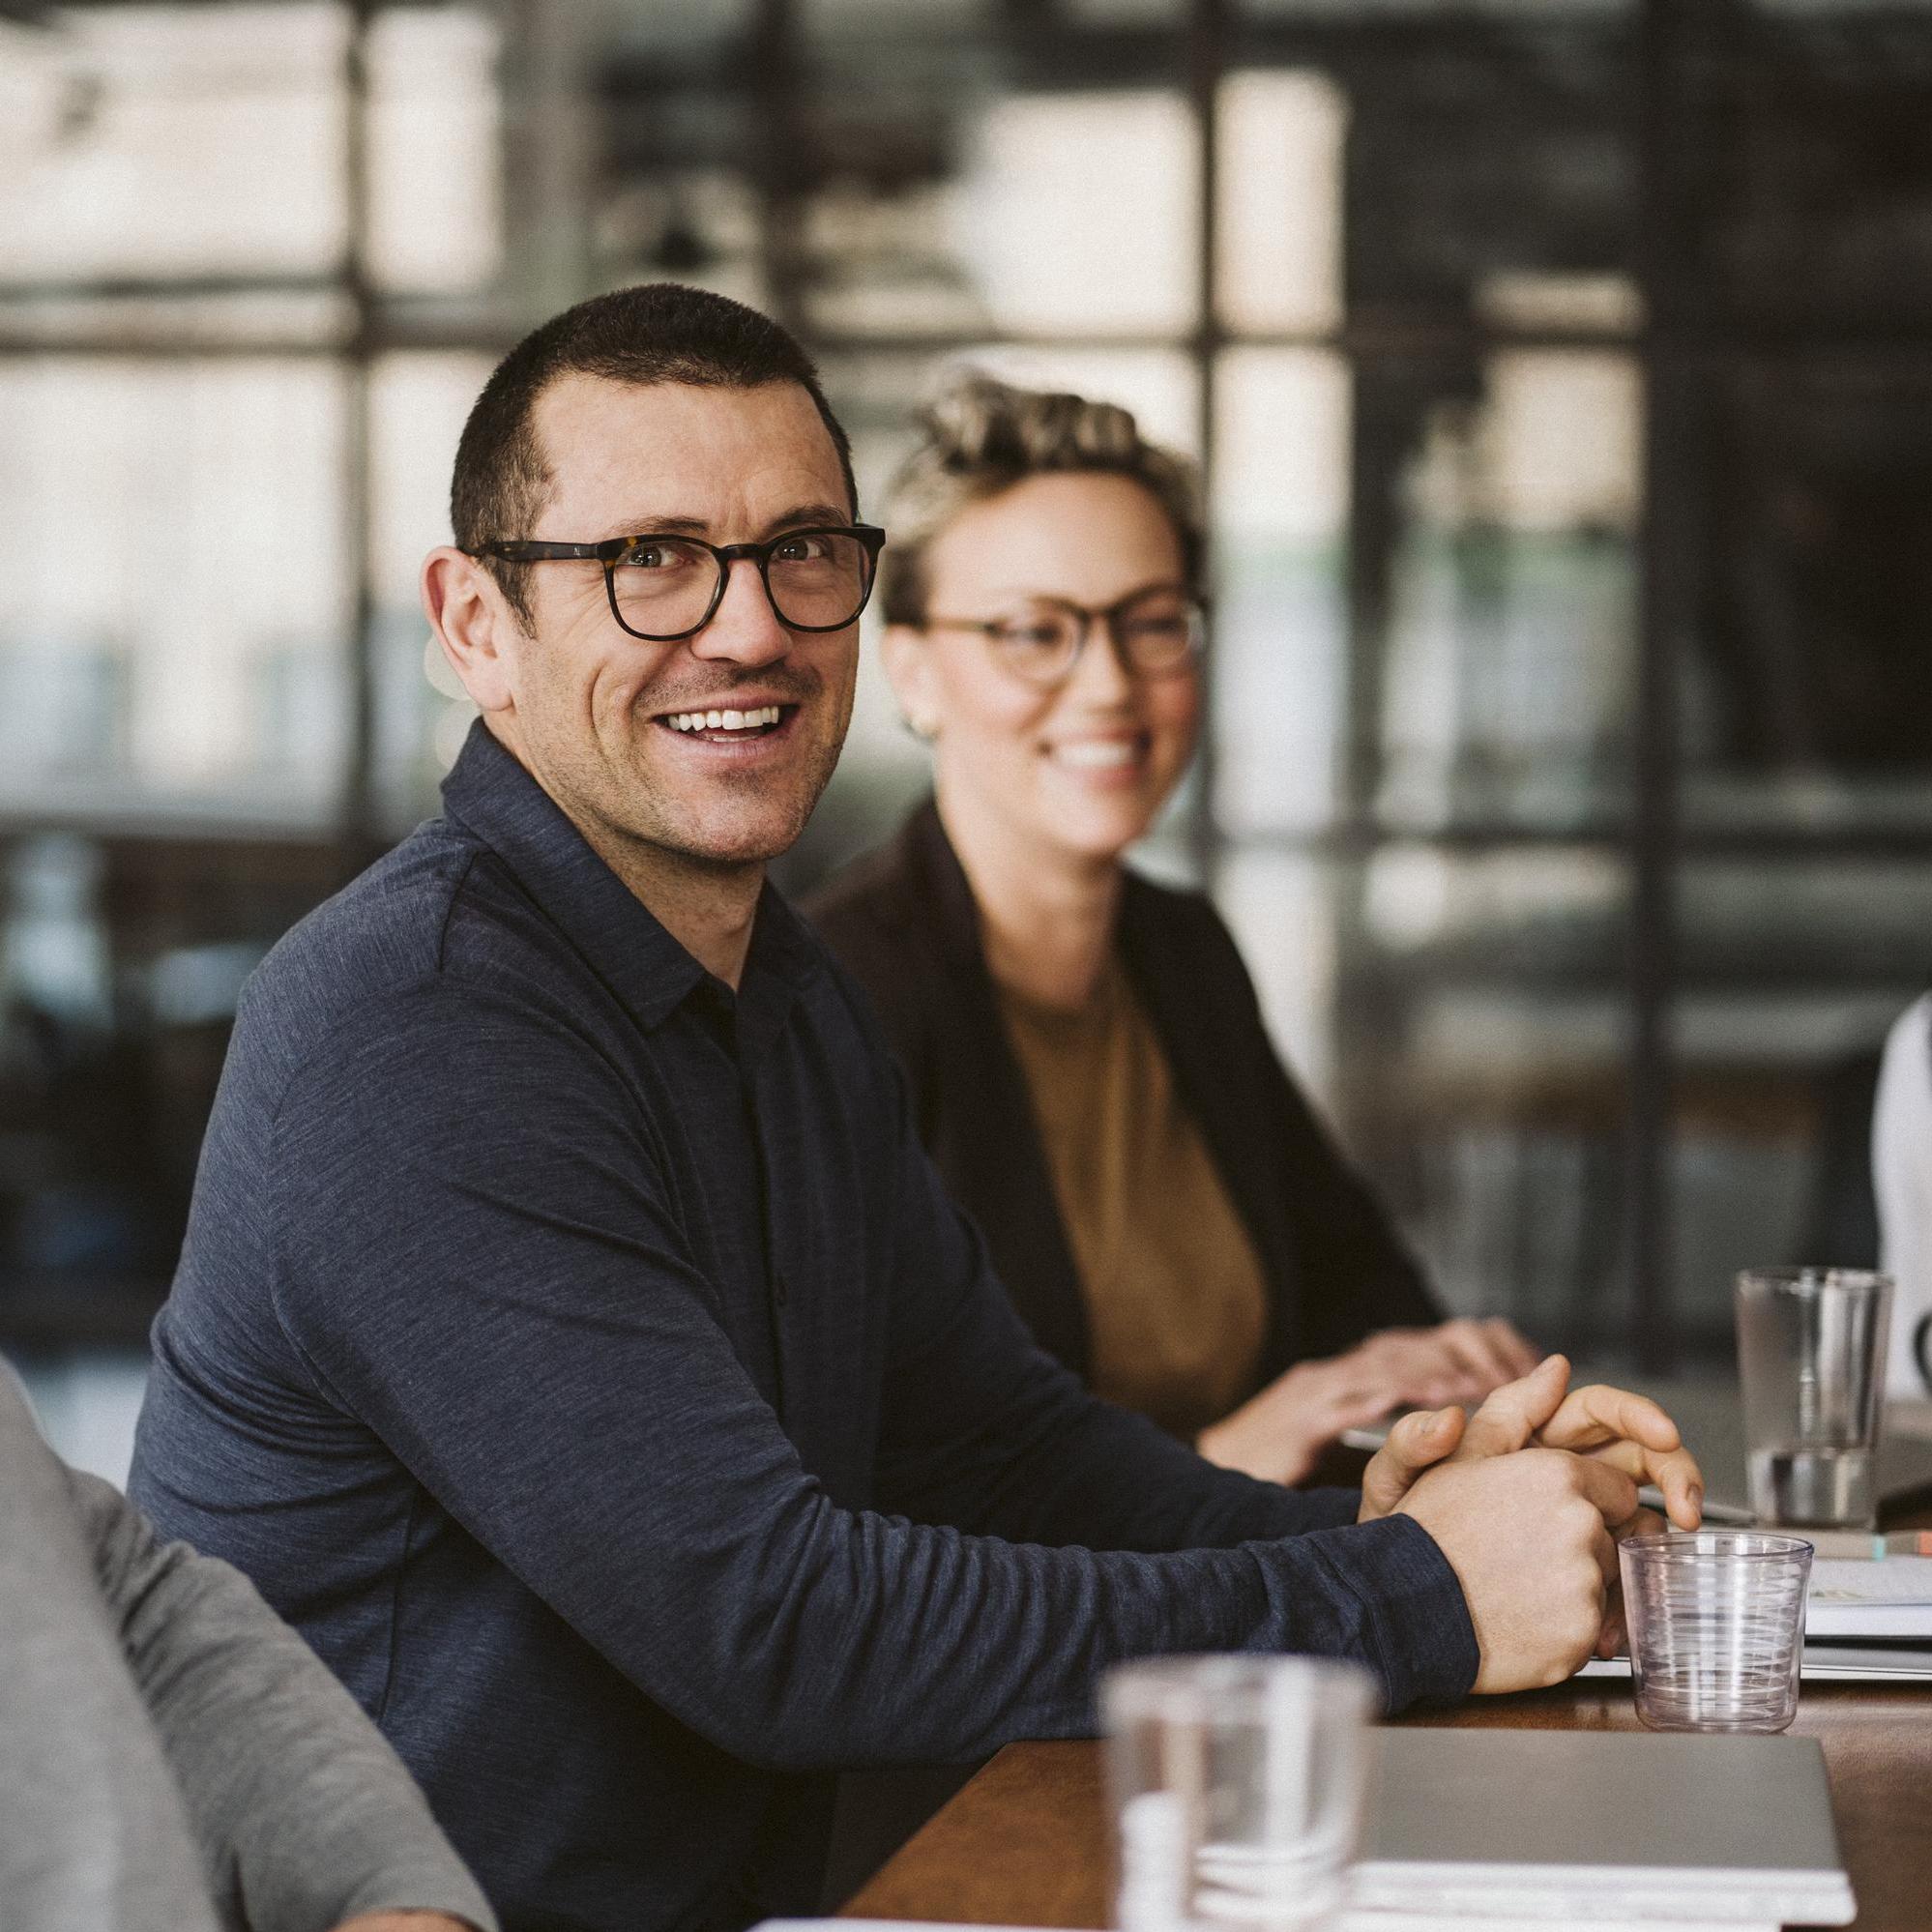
[(921, 727)]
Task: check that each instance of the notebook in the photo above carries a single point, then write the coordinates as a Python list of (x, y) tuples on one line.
[(1889, 1600), (1344, 1922), (1826, 1663), (1596, 1826)]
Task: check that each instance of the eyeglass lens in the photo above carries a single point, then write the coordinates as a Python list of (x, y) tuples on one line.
[(1156, 633), (817, 582)]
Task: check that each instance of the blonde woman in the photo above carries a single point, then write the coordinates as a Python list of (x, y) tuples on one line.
[(1087, 1057)]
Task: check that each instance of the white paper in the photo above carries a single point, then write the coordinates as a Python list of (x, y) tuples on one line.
[(1854, 1598)]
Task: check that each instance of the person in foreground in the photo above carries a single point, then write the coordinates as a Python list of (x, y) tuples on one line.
[(171, 1754), (572, 1337), (1089, 1066)]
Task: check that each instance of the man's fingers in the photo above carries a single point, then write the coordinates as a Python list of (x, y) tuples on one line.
[(1645, 1523), (1677, 1476), (1613, 1637), (1413, 1445), (1632, 1434), (1604, 1547), (1511, 1418), (1612, 1493), (1599, 1414)]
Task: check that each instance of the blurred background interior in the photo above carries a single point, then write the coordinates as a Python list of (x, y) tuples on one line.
[(1563, 373)]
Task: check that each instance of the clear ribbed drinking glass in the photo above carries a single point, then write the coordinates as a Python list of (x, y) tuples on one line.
[(1238, 1785), (1717, 1628)]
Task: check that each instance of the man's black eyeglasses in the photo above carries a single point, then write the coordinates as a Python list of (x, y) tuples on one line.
[(664, 586)]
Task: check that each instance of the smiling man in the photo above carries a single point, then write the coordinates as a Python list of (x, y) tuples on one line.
[(572, 1339)]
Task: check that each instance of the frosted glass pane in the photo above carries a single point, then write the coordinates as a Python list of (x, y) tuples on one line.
[(1563, 440), (172, 544), (418, 405), (1279, 185), (1077, 213), (173, 140), (1280, 907), (435, 144), (1280, 616), (1510, 661)]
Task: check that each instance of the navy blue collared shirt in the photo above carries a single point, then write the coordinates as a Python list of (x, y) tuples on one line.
[(587, 1361)]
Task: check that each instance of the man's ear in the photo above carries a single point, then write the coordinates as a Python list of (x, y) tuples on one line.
[(473, 625), (907, 657)]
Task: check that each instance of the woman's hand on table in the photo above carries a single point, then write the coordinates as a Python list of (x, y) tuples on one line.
[(1462, 1360), (1280, 1434)]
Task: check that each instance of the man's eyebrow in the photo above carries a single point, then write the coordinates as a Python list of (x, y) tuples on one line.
[(651, 525), (808, 513), (801, 517)]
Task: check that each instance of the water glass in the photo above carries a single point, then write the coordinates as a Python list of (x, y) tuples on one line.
[(1717, 1628), (1238, 1785), (1811, 1357)]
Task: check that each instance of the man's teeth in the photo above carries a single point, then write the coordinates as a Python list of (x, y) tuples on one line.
[(723, 720), (1097, 754)]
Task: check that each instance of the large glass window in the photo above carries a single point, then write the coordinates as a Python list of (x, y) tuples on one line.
[(1558, 372)]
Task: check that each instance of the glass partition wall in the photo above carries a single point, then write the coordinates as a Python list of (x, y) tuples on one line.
[(1559, 371)]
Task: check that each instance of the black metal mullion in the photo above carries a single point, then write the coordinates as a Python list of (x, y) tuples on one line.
[(781, 141), (361, 831), (1670, 276), (1208, 26)]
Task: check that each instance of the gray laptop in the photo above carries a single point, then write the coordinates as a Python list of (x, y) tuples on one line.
[(1601, 1824)]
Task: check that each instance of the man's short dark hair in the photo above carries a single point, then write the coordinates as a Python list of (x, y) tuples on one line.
[(657, 332)]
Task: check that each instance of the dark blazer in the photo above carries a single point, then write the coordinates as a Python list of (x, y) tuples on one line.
[(904, 920)]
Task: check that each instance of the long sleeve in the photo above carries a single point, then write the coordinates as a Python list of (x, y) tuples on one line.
[(303, 1814), (580, 1354), (93, 1833), (507, 1295)]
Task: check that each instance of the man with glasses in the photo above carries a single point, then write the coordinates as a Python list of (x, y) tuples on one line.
[(572, 1339)]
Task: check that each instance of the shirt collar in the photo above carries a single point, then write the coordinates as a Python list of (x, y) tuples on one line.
[(490, 794)]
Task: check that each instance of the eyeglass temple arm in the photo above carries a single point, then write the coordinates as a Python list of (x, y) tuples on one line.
[(532, 550)]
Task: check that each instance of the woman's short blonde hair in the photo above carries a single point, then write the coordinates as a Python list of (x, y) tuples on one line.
[(980, 436)]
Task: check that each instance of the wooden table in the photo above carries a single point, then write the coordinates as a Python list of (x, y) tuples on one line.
[(1024, 1843)]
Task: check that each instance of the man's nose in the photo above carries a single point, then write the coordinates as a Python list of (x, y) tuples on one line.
[(743, 629)]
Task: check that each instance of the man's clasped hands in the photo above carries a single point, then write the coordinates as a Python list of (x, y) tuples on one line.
[(1528, 1499)]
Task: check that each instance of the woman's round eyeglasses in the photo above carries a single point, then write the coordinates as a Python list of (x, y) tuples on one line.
[(1154, 631)]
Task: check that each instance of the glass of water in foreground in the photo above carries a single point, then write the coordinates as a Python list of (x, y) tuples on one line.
[(1811, 1357), (1717, 1628), (1238, 1785)]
